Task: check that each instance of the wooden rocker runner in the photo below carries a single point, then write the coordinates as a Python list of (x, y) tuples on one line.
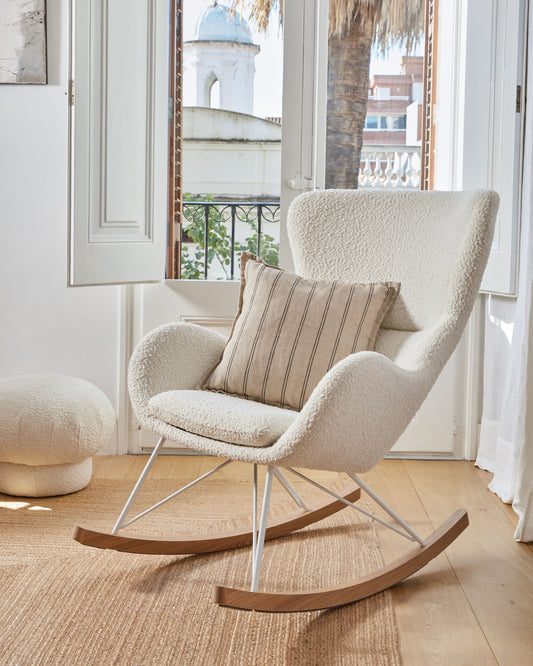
[(213, 543), (307, 342)]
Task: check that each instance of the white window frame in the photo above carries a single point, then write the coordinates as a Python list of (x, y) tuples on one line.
[(479, 133), (507, 104), (305, 61)]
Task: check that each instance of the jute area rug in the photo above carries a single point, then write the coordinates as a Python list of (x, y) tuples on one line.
[(64, 603)]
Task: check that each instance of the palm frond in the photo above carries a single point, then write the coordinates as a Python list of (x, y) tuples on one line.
[(400, 22), (391, 21), (259, 12)]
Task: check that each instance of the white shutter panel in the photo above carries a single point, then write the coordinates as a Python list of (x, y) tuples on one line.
[(119, 157), (505, 142)]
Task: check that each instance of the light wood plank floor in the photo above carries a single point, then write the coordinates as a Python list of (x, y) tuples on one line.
[(473, 605)]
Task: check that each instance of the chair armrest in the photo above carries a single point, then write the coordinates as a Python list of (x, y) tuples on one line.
[(171, 357), (355, 414)]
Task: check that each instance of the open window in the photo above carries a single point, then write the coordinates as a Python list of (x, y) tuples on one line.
[(218, 214), (125, 217)]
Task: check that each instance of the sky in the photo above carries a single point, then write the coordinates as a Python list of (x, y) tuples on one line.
[(269, 61)]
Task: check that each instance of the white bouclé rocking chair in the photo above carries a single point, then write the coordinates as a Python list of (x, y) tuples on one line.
[(436, 245)]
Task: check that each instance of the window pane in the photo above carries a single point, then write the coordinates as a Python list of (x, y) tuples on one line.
[(232, 89), (383, 93), (369, 96), (396, 122)]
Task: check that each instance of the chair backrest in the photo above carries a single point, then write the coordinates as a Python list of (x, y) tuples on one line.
[(436, 244)]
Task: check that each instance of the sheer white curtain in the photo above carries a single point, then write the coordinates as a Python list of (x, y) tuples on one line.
[(506, 440)]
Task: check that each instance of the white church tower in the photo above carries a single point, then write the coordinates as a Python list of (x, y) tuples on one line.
[(219, 62)]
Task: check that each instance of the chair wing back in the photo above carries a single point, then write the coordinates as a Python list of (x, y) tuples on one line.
[(435, 243)]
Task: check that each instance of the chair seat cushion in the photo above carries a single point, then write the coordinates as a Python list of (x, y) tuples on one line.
[(223, 417)]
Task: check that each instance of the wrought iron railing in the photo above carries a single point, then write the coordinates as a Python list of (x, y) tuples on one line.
[(215, 233)]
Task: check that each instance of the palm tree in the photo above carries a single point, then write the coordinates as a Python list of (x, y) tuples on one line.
[(354, 27)]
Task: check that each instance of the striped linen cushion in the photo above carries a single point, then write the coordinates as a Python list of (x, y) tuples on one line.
[(289, 331)]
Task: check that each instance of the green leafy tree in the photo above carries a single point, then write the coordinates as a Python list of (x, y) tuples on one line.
[(269, 249), (193, 258)]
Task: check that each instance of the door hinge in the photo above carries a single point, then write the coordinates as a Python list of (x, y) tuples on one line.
[(71, 93), (518, 99)]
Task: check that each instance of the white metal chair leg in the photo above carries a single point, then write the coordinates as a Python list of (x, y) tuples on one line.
[(138, 485), (290, 489), (254, 522), (387, 508), (409, 534), (177, 492), (260, 541), (121, 522)]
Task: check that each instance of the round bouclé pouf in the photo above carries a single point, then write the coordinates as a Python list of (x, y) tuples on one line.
[(50, 427)]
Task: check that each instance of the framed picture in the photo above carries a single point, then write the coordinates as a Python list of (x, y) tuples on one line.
[(23, 41)]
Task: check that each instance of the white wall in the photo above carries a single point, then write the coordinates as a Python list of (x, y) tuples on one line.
[(230, 154), (247, 170), (46, 326), (200, 123)]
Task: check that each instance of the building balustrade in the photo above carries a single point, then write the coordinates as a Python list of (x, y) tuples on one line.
[(390, 167)]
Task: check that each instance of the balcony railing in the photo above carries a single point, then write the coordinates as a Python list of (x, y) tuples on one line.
[(390, 167), (215, 233)]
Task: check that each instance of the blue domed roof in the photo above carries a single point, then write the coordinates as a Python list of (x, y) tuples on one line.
[(217, 23)]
